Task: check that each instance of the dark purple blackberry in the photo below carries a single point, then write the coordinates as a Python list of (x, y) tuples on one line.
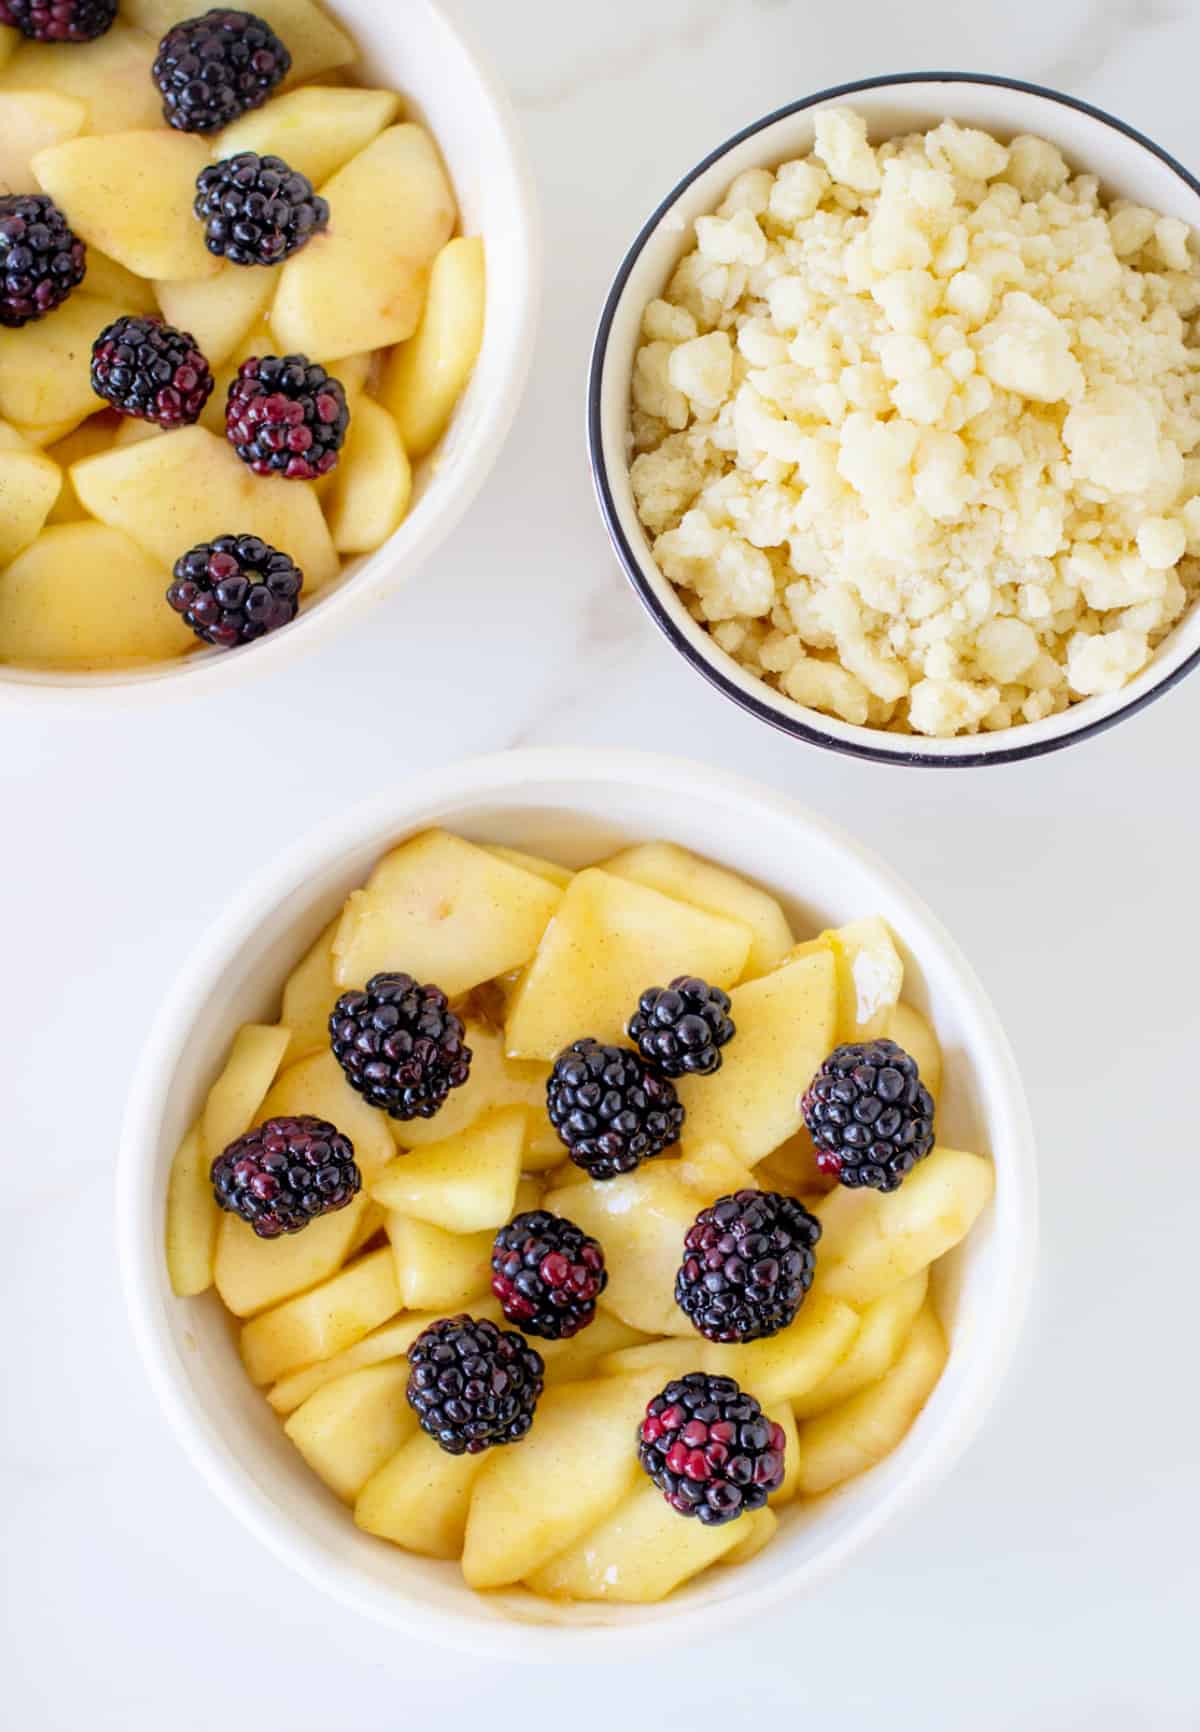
[(709, 1449), (747, 1264), (869, 1115), (400, 1045), (680, 1029), (547, 1274), (235, 589), (256, 210), (610, 1109), (151, 370), (472, 1385), (212, 68), (41, 258), (59, 20), (286, 1173), (286, 416)]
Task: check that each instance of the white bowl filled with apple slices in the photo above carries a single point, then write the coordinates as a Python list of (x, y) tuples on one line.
[(415, 292), (544, 892)]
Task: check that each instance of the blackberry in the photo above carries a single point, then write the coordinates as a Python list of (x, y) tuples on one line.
[(472, 1385), (59, 20), (747, 1264), (610, 1109), (869, 1114), (41, 258), (400, 1045), (547, 1274), (235, 589), (709, 1449), (212, 68), (286, 1173), (680, 1029), (256, 210), (286, 416), (148, 369)]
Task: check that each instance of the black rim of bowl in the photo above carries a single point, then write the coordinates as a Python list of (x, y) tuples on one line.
[(813, 734)]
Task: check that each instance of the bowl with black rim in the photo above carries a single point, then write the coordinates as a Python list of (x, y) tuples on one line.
[(1128, 165)]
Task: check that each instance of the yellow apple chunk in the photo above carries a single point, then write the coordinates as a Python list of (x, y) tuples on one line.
[(873, 1240), (189, 486), (131, 194), (550, 870), (884, 1329), (870, 975), (711, 1171), (638, 1553), (315, 43), (914, 1032), (29, 486), (428, 374), (109, 281), (111, 77), (640, 1218), (436, 1270), (580, 1355), (443, 910), (783, 1367), (676, 872), (93, 435), (309, 994), (252, 1274), (785, 1023), (85, 596), (11, 439), (30, 121), (361, 284), (855, 1435), (421, 1498), (45, 367), (9, 40), (316, 131), (349, 1430), (320, 1323), (782, 1416), (792, 1168), (192, 1215), (609, 940), (371, 485), (763, 1524), (217, 310), (463, 1184), (317, 1085), (531, 1502), (241, 1088)]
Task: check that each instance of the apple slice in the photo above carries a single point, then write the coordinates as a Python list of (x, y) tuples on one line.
[(580, 1355), (217, 310), (885, 1327), (323, 1321), (372, 484), (421, 1498), (91, 436), (638, 1553), (309, 994), (45, 367), (131, 194), (350, 1429), (234, 1099), (316, 131), (317, 1085), (361, 284), (29, 485), (9, 42), (171, 493), (640, 1218), (763, 1525), (550, 870), (785, 1024), (785, 1366), (914, 1032), (443, 910), (111, 76), (439, 1271), (30, 121), (663, 866), (463, 1184), (609, 940), (109, 281), (315, 43), (252, 1274), (870, 975), (428, 374), (192, 1216)]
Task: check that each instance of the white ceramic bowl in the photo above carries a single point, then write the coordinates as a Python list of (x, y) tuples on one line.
[(413, 48), (574, 806), (1128, 165)]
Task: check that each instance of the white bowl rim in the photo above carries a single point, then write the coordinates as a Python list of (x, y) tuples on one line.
[(139, 1239), (162, 682), (874, 744)]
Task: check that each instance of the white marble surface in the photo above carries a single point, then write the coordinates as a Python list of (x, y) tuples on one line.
[(1054, 1582)]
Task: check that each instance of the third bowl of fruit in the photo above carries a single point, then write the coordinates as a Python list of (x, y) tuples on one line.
[(268, 282), (578, 1194)]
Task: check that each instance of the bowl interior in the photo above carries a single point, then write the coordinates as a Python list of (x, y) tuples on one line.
[(413, 49), (1127, 166), (575, 810)]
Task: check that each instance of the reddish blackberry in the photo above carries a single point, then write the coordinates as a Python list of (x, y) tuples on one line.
[(610, 1109), (286, 1173), (709, 1449), (151, 370), (286, 416), (473, 1385), (59, 20), (41, 258), (235, 589), (256, 210), (213, 68), (399, 1045), (747, 1264), (547, 1274), (869, 1114), (680, 1029)]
